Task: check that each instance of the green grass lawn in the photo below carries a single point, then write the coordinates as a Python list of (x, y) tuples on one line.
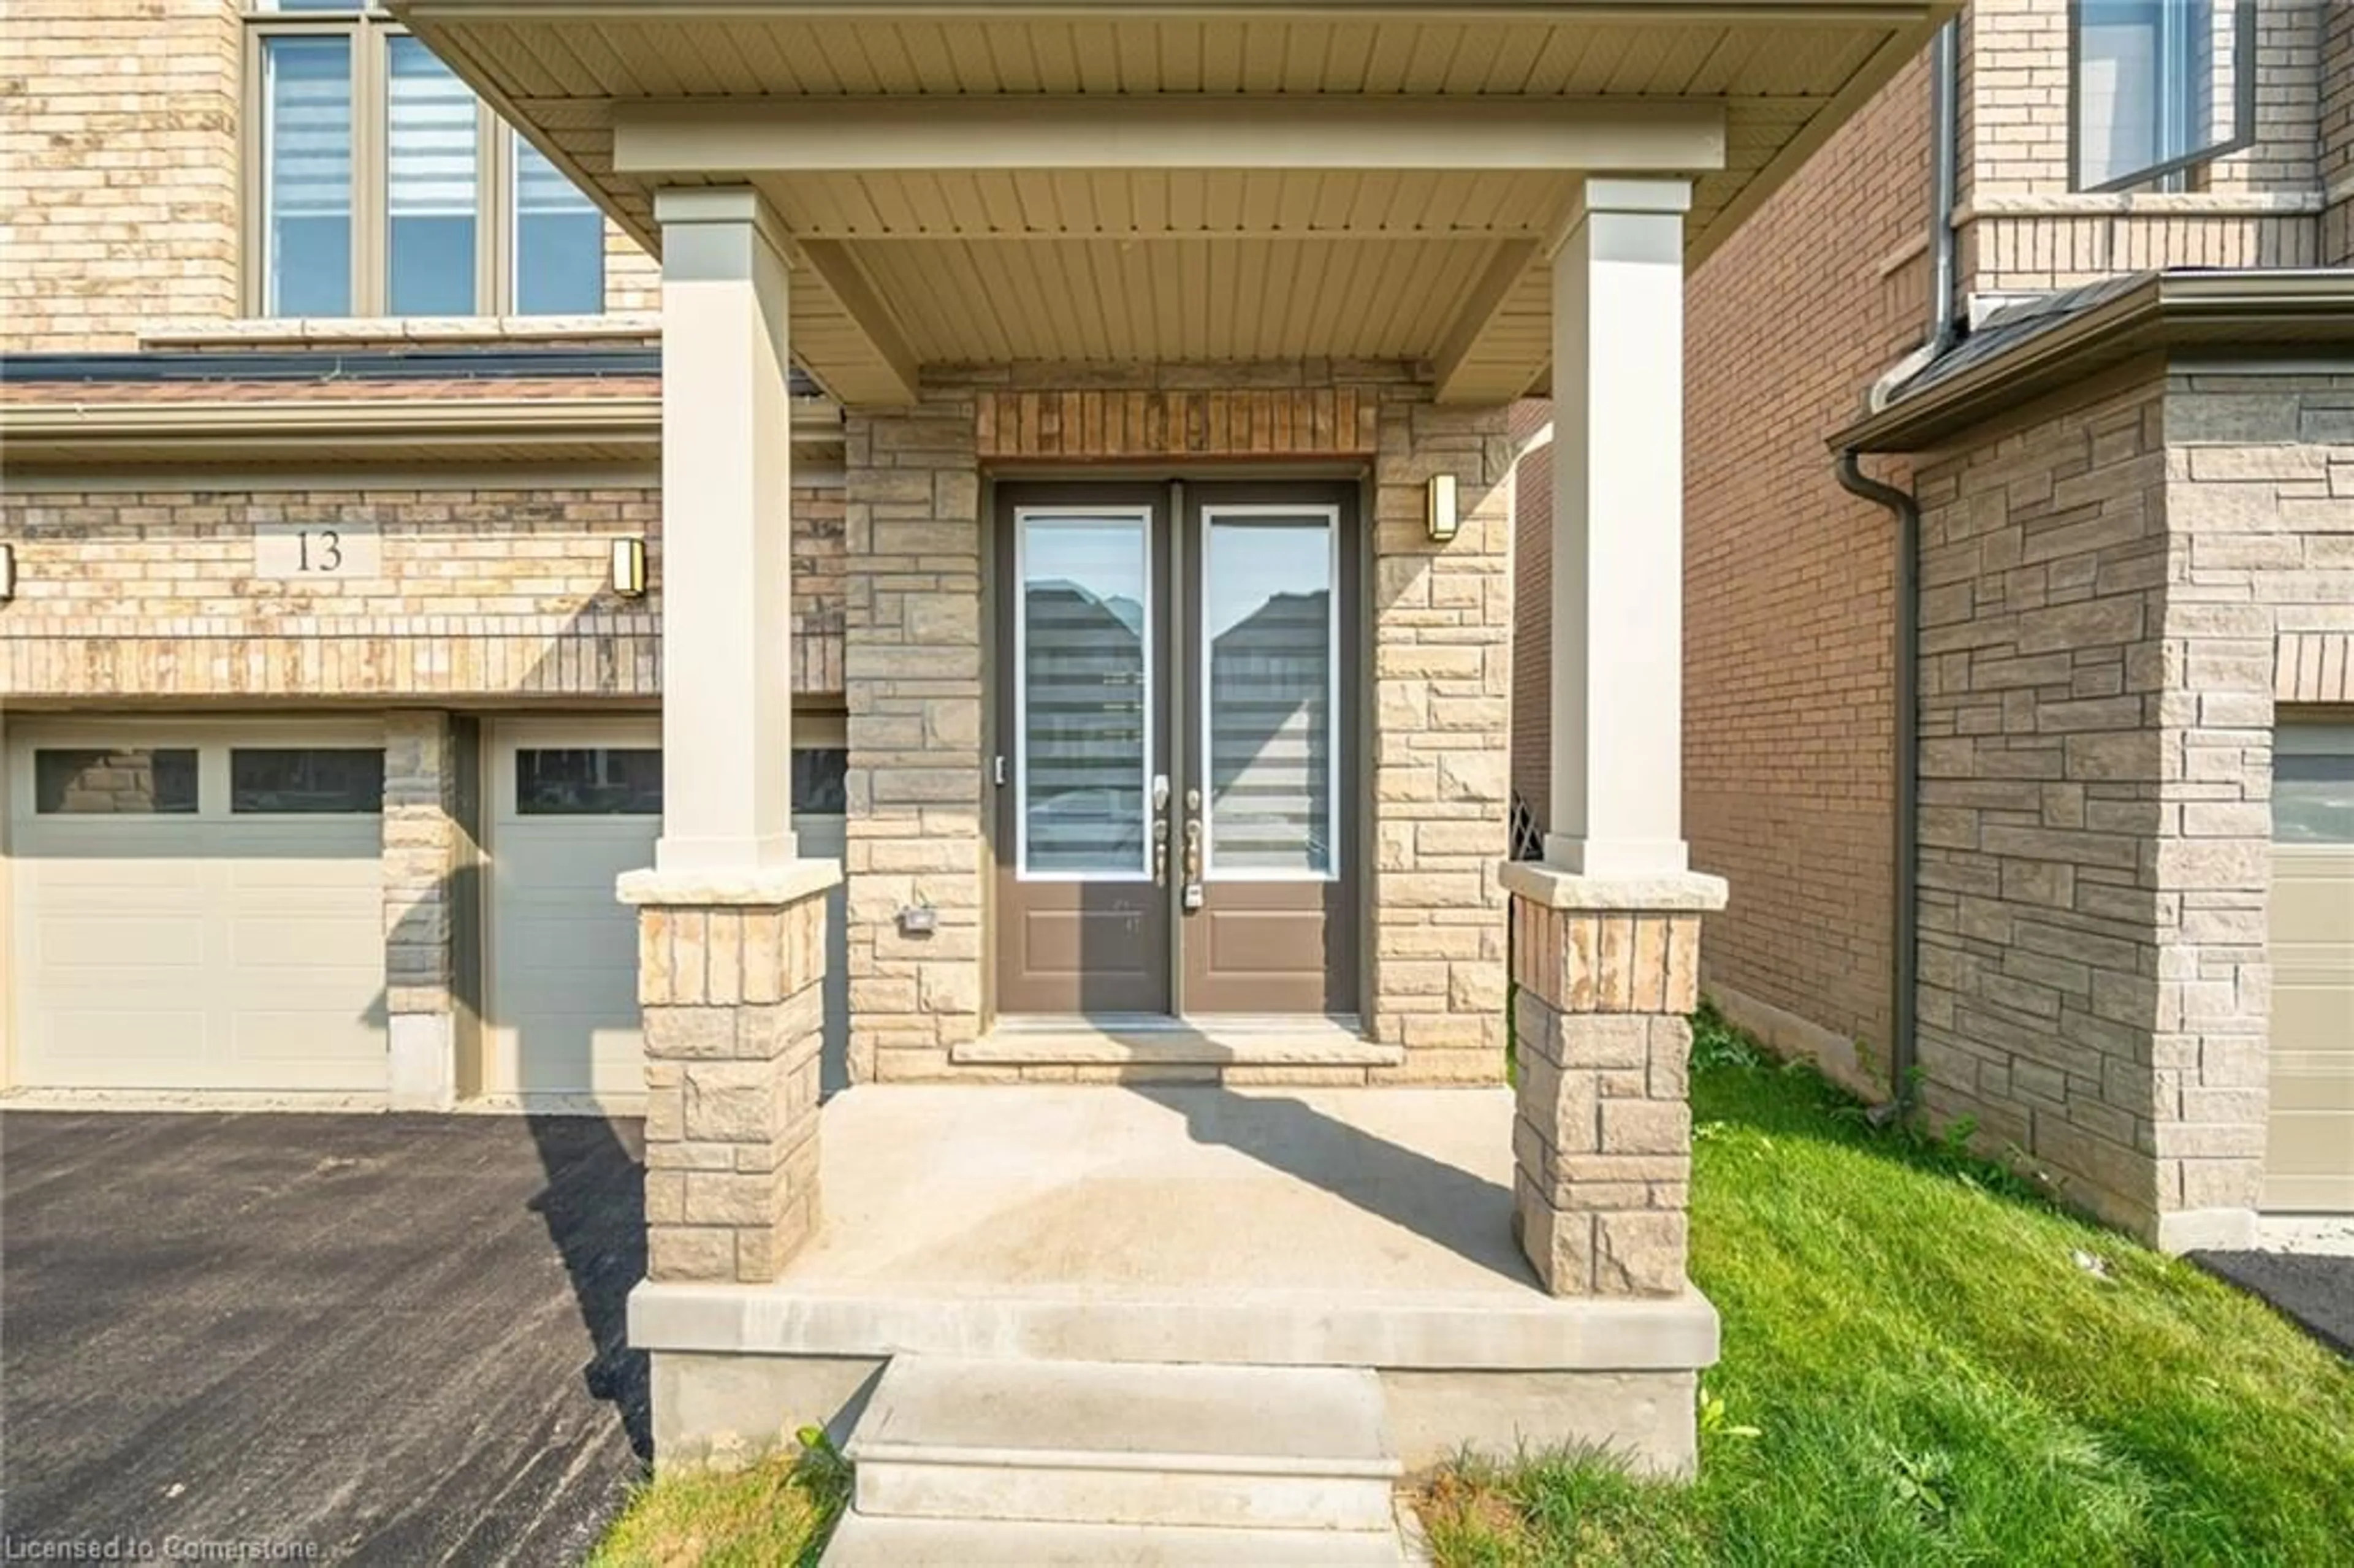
[(775, 1515), (1920, 1369)]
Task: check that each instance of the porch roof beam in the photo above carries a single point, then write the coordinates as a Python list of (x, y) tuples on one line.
[(654, 139)]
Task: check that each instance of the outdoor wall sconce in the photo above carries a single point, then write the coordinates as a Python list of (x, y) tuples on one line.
[(7, 573), (1443, 520), (629, 567)]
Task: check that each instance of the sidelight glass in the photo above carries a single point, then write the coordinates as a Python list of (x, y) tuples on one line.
[(1084, 694), (1269, 659)]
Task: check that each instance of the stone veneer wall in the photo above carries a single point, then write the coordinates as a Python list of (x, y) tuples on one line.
[(916, 686), (484, 592), (2109, 594)]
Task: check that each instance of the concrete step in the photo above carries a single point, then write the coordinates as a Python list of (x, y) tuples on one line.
[(1301, 1448), (862, 1542)]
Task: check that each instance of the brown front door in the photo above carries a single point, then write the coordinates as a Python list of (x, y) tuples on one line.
[(1269, 903), (1176, 789)]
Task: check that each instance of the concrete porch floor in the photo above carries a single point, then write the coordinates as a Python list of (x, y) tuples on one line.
[(1272, 1226)]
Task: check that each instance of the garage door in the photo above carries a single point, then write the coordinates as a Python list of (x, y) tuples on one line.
[(2310, 1152), (199, 908), (575, 803)]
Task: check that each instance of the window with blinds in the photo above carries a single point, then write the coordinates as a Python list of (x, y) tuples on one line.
[(559, 244), (1084, 686), (306, 155), (383, 187), (1267, 586), (431, 194)]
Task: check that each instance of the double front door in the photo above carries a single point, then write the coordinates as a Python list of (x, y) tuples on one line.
[(1176, 784)]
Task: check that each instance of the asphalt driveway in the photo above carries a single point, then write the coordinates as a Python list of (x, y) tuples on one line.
[(340, 1338)]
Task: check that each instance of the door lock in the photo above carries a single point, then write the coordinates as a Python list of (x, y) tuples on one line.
[(1193, 852)]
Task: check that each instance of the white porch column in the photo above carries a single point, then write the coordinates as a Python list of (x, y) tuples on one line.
[(726, 557), (1617, 542)]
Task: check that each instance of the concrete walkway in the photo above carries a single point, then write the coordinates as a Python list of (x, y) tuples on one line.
[(392, 1338)]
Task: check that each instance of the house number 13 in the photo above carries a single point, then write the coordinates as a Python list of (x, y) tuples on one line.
[(322, 551)]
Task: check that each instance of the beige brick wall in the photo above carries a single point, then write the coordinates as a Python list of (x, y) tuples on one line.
[(2336, 157), (122, 178), (916, 695), (2024, 229), (124, 593), (118, 167), (2107, 592), (1788, 700)]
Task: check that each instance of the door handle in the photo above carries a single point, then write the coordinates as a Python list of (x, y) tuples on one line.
[(1160, 851), (1192, 849)]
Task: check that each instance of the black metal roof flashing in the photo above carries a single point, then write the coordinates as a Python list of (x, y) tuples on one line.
[(2045, 344), (326, 365)]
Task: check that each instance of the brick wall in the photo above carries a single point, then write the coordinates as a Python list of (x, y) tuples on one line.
[(2336, 155), (1787, 610), (133, 593), (2023, 227), (2107, 594), (119, 136), (917, 686)]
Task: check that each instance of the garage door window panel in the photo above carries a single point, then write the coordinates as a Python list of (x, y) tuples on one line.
[(115, 781), (306, 781), (2313, 796), (588, 781)]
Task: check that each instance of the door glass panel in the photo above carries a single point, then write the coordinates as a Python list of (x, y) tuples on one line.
[(1084, 691), (306, 779), (115, 781), (588, 781), (1266, 612)]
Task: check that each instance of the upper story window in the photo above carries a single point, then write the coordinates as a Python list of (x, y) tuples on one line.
[(2157, 87), (381, 186)]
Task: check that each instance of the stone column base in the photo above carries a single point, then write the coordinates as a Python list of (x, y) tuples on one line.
[(1602, 1135), (730, 981)]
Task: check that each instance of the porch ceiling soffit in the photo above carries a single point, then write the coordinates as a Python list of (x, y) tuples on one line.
[(973, 167)]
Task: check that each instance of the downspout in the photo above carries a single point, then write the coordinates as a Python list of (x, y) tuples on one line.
[(1945, 331)]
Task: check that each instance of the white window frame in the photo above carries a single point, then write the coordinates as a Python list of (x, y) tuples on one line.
[(1019, 750), (1333, 750), (498, 229)]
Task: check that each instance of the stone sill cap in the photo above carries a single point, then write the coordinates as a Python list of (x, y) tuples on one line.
[(772, 885), (1672, 893), (279, 331)]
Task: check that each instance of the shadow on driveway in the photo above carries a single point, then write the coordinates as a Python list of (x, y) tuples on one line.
[(397, 1339)]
